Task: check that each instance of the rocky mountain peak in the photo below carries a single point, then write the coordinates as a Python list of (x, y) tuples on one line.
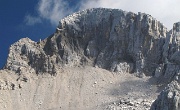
[(111, 39), (106, 38)]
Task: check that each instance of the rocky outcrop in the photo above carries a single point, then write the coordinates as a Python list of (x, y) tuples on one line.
[(107, 38), (6, 85), (170, 66), (169, 98), (130, 104), (27, 55)]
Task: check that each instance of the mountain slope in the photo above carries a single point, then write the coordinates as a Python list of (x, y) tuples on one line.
[(111, 39)]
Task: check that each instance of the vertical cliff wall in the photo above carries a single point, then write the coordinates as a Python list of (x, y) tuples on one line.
[(169, 98)]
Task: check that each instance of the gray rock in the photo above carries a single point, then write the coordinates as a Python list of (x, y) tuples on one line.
[(159, 71), (107, 38), (122, 67), (169, 98)]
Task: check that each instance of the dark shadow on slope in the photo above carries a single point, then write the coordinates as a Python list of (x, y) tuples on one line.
[(135, 88)]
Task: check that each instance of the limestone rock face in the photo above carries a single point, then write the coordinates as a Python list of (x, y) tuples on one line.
[(105, 38), (169, 98), (110, 36), (27, 55), (170, 65)]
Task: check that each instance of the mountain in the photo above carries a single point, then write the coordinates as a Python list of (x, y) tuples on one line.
[(89, 53)]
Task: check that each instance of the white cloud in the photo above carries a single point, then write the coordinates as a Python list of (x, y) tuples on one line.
[(53, 10), (31, 20), (166, 11)]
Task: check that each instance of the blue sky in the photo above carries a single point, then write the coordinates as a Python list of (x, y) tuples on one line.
[(37, 19)]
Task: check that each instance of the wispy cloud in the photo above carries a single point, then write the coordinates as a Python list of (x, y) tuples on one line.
[(166, 11), (51, 10), (31, 20)]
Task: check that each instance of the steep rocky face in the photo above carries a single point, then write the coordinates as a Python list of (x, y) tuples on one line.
[(107, 38), (169, 98), (111, 37), (170, 67)]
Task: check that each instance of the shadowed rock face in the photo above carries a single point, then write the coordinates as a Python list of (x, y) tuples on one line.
[(111, 39), (169, 98)]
